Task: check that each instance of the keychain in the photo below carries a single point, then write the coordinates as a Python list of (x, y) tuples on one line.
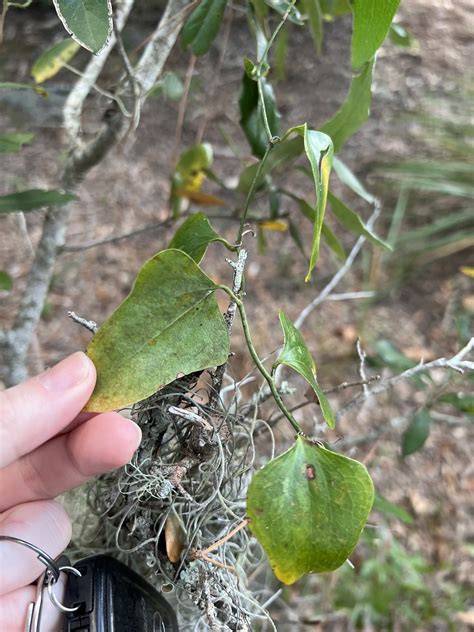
[(102, 595)]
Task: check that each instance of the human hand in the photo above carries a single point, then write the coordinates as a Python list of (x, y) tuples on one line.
[(46, 448)]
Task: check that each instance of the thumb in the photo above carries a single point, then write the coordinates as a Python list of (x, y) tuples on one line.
[(40, 408)]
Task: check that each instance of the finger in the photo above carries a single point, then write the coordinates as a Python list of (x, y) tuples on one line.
[(103, 443), (43, 523), (33, 412), (14, 608)]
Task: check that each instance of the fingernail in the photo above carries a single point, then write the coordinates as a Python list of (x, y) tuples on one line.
[(67, 374), (138, 434)]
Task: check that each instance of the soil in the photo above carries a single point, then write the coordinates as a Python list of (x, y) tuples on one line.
[(130, 190)]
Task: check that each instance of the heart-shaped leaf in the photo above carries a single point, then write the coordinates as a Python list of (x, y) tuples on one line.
[(307, 509), (296, 355), (194, 235), (169, 326)]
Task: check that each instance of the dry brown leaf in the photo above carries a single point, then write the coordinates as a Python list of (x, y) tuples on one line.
[(175, 537)]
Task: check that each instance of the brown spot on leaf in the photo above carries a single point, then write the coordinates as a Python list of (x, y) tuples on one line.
[(152, 342), (310, 472)]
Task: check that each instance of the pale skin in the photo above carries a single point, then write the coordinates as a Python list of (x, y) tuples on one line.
[(48, 446)]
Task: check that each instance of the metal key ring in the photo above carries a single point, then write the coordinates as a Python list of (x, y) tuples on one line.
[(50, 583), (43, 557)]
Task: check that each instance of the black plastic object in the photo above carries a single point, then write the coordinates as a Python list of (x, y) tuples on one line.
[(113, 598)]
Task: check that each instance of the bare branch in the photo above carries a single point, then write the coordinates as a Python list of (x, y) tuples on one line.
[(362, 374), (159, 45), (90, 325), (326, 291), (457, 363)]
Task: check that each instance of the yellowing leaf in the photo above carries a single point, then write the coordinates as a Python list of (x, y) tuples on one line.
[(199, 197), (307, 509), (53, 59), (190, 174), (277, 225), (169, 325), (319, 150), (467, 270)]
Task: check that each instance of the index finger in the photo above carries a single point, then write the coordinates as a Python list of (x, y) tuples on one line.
[(33, 412)]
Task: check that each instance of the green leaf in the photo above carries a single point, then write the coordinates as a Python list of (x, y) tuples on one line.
[(280, 156), (170, 325), (251, 116), (319, 151), (417, 432), (296, 355), (354, 112), (89, 22), (307, 508), (464, 402), (202, 26), (371, 22), (13, 142), (194, 235), (389, 355), (52, 60), (10, 85), (384, 506), (281, 7), (315, 16), (333, 242), (195, 160), (261, 241), (33, 199), (327, 234), (335, 8), (347, 177), (350, 220), (6, 282), (296, 236), (171, 87)]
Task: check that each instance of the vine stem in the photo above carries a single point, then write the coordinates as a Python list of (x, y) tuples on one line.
[(259, 364), (264, 111), (251, 191), (275, 33)]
